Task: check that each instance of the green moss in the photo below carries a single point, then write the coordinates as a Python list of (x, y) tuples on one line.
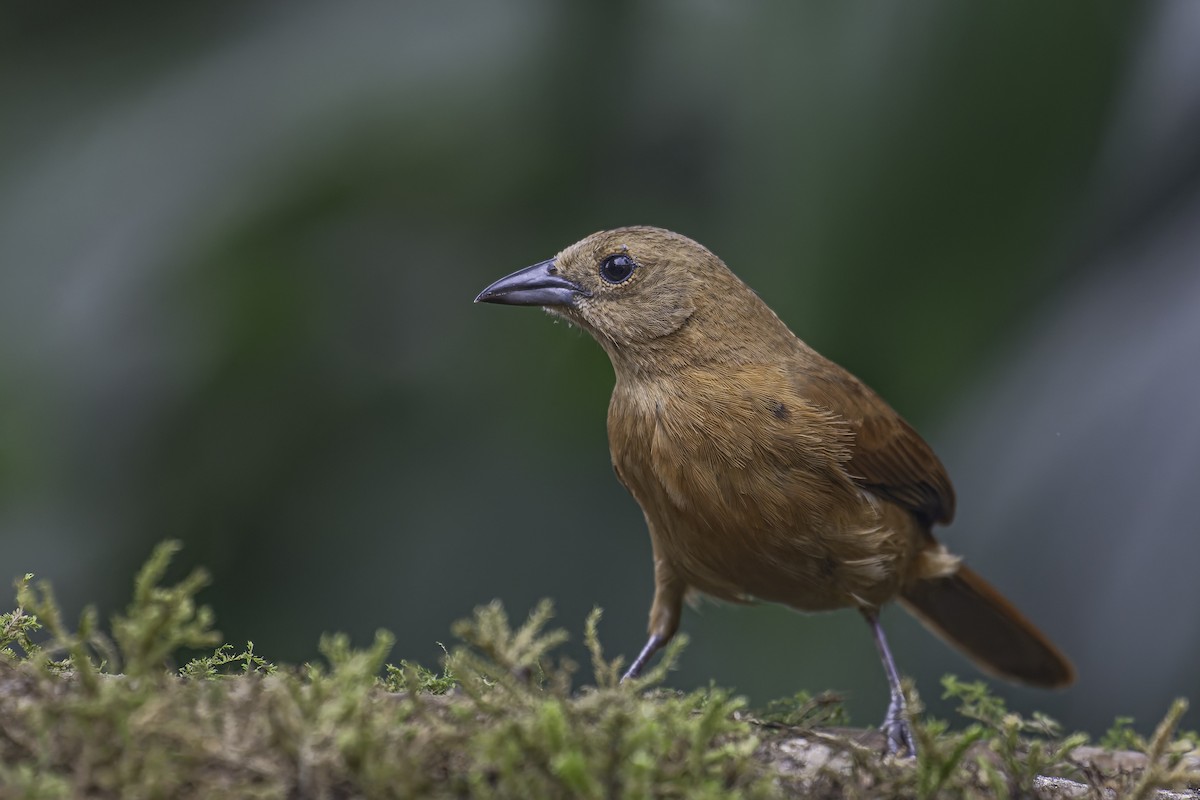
[(17, 628), (804, 710), (86, 713), (1122, 736), (89, 715), (224, 662)]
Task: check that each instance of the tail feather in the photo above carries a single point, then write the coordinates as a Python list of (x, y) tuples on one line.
[(969, 613)]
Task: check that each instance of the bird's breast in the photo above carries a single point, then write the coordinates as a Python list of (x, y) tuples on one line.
[(745, 493)]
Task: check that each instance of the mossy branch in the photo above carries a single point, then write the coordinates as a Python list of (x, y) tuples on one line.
[(503, 717)]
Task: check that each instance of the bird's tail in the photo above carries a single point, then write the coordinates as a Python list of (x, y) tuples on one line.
[(968, 612)]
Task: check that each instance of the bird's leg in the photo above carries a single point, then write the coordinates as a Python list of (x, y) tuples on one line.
[(664, 615), (653, 645), (895, 723)]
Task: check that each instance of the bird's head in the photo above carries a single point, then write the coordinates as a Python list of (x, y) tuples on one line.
[(634, 289), (625, 286)]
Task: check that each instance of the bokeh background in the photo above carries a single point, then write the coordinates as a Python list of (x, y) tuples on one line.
[(239, 244)]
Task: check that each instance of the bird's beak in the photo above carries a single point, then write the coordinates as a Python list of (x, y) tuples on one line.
[(539, 285)]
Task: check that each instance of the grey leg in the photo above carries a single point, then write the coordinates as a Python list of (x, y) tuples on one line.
[(653, 645), (895, 722)]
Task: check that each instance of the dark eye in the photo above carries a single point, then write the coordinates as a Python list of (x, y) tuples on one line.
[(617, 269)]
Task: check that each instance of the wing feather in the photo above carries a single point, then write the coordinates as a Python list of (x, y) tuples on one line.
[(888, 457)]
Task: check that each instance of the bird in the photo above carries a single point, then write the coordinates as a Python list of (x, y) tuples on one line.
[(765, 471)]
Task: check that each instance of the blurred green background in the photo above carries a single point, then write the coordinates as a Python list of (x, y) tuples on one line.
[(239, 244)]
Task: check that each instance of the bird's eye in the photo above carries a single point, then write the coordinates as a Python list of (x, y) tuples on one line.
[(617, 269)]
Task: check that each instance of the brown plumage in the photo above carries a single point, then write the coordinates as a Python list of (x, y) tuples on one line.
[(766, 471)]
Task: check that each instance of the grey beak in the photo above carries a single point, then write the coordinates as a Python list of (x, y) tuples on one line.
[(539, 285)]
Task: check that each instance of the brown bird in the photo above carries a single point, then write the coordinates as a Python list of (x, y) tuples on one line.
[(764, 470)]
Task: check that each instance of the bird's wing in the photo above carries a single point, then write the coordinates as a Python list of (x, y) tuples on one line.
[(888, 458)]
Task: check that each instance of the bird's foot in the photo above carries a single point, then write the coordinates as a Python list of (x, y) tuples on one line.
[(897, 730)]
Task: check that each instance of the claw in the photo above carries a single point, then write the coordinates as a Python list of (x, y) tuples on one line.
[(896, 729)]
